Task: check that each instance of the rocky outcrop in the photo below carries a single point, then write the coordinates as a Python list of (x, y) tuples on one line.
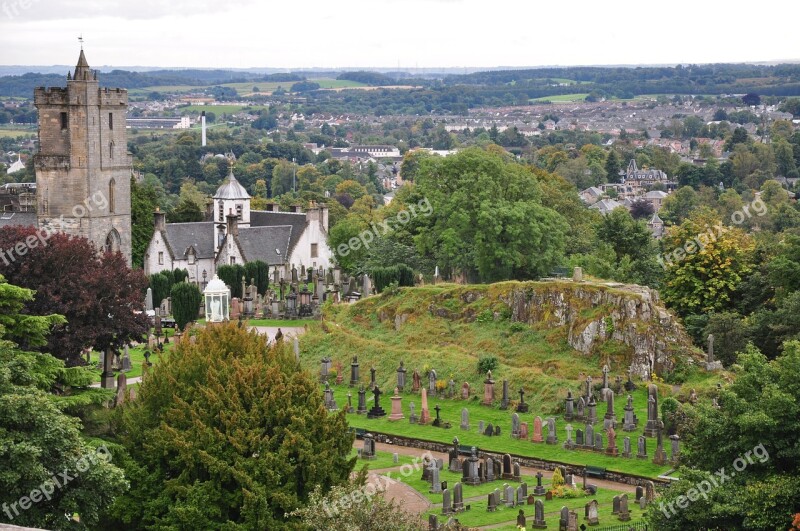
[(590, 314)]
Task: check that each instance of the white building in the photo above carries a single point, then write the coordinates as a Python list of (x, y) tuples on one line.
[(238, 235)]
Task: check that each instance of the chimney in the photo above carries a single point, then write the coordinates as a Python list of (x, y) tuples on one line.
[(323, 208), (159, 220), (312, 213), (233, 223), (273, 207), (297, 209), (203, 128)]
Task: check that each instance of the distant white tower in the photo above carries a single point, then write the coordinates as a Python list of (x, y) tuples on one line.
[(203, 128)]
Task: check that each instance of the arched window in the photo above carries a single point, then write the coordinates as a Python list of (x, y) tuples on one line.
[(112, 242), (111, 150), (111, 185)]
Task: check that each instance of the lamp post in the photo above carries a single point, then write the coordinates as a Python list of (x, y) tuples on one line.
[(294, 170), (205, 276)]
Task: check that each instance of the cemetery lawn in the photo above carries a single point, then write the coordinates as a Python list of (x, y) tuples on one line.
[(451, 412), (284, 323)]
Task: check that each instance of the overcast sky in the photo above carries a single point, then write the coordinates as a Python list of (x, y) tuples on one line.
[(388, 33)]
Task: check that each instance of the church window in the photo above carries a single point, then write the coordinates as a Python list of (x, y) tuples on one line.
[(111, 120), (111, 185), (161, 257), (64, 121), (314, 251)]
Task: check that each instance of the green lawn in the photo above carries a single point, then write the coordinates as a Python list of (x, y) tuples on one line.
[(245, 88), (13, 132), (221, 109), (137, 357), (451, 411), (562, 98)]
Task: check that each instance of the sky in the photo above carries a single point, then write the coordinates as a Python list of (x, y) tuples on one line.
[(391, 33)]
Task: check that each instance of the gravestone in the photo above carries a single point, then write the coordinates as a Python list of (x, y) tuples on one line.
[(447, 505), (451, 388), (563, 518), (615, 505), (372, 383), (628, 423), (624, 513), (126, 360), (642, 448), (368, 450), (465, 419), (606, 370), (480, 426), (465, 391), (522, 407), (437, 421), (362, 401), (643, 503), (489, 430), (471, 474), (516, 472), (580, 414), (552, 436), (611, 449), (488, 389), (568, 407), (539, 489), (660, 456), (508, 472), (432, 382), (598, 442), (521, 521), (122, 388), (425, 415), (579, 438), (520, 497), (569, 444), (489, 465), (433, 522), (610, 409), (148, 300), (538, 515), (453, 462), (395, 458), (504, 400), (591, 415), (651, 428), (458, 498), (591, 513), (415, 381), (401, 377), (509, 496), (626, 447), (639, 492), (354, 372), (397, 408), (339, 373), (649, 491), (330, 403), (376, 411), (674, 449), (515, 426), (589, 391), (492, 502), (412, 414), (324, 369), (350, 402), (436, 486), (523, 430), (537, 430), (588, 436), (711, 364), (572, 524)]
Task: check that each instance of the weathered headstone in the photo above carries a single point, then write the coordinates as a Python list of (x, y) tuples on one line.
[(539, 489), (591, 513), (330, 403), (611, 449), (628, 423), (508, 472), (660, 456), (711, 364), (433, 522), (415, 381), (488, 389), (651, 428), (521, 521), (489, 465), (458, 498), (580, 414), (674, 449), (626, 447), (480, 426), (615, 505), (509, 496), (523, 430), (641, 448), (579, 438), (522, 407), (397, 408), (563, 518), (516, 472), (552, 436), (588, 436), (401, 377), (425, 414), (412, 415), (354, 372), (649, 491), (122, 388), (504, 400), (639, 492), (432, 382), (368, 450), (492, 502), (436, 485), (538, 515), (624, 513), (437, 421), (598, 442), (537, 430), (569, 444), (591, 415), (572, 524), (465, 419), (489, 430), (324, 369), (372, 383), (471, 474), (569, 407), (515, 426), (447, 504), (465, 391), (362, 401)]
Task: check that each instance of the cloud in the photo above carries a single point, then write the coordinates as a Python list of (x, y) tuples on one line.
[(29, 10)]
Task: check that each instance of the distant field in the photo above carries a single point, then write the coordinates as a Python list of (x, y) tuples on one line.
[(220, 109), (245, 88), (14, 132), (562, 98)]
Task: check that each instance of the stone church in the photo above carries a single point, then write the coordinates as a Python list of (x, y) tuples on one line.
[(235, 234), (83, 168)]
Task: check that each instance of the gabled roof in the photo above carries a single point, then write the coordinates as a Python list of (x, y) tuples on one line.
[(22, 219), (655, 220), (655, 194), (268, 244), (262, 218), (199, 235)]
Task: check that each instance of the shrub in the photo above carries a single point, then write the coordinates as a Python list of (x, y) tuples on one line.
[(486, 316), (487, 363), (558, 479), (186, 299)]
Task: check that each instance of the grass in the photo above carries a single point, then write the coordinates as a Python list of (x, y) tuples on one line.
[(562, 98), (9, 131), (137, 357), (221, 109), (451, 412), (245, 88), (283, 323), (478, 514)]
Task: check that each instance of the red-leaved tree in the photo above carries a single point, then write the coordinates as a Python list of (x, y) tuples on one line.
[(101, 297)]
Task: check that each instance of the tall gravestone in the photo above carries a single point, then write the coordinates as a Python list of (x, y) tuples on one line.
[(488, 389), (651, 428), (465, 419), (354, 372), (401, 377), (376, 411), (568, 407)]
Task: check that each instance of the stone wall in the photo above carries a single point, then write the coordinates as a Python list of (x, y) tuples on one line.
[(532, 462)]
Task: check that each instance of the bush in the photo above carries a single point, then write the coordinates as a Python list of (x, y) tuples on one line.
[(232, 275), (258, 271), (186, 299), (161, 284), (486, 316), (383, 277), (487, 363)]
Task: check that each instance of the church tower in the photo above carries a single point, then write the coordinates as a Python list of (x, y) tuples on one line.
[(83, 169)]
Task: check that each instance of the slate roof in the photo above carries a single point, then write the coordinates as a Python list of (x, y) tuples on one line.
[(262, 218), (23, 219), (200, 235), (263, 243)]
